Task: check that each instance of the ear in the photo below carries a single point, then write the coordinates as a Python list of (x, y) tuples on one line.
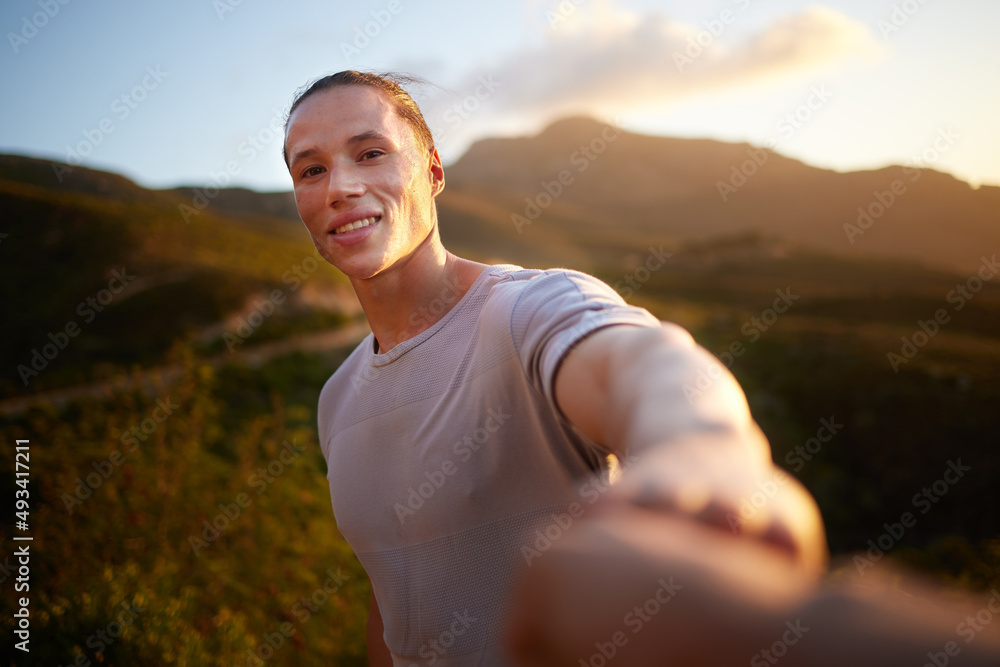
[(436, 172)]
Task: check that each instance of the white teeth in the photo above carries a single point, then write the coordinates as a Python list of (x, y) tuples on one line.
[(355, 225)]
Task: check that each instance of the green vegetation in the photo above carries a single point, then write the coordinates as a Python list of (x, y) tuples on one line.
[(224, 545), (124, 496)]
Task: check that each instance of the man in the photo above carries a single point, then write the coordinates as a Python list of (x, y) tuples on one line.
[(462, 441)]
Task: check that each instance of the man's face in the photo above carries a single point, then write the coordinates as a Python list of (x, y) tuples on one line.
[(355, 162)]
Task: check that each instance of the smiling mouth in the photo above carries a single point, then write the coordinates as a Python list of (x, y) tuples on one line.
[(358, 224)]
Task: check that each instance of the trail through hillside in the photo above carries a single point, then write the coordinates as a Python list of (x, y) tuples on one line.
[(160, 376)]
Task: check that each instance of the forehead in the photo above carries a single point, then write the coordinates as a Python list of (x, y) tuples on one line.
[(331, 117)]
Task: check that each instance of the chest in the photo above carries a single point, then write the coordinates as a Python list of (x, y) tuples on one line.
[(426, 462)]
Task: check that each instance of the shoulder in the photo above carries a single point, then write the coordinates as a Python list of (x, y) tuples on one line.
[(520, 278), (554, 308), (528, 296), (527, 290)]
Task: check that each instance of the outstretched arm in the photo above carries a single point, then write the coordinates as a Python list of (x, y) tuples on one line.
[(642, 583), (654, 394), (632, 388)]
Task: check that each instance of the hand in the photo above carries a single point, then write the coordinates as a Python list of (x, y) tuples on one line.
[(716, 484), (636, 588)]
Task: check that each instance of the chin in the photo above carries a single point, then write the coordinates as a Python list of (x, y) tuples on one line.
[(358, 268)]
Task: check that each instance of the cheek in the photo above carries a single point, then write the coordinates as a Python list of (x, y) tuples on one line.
[(306, 203), (408, 188), (300, 200)]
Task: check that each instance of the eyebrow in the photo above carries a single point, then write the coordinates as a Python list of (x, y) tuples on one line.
[(369, 135)]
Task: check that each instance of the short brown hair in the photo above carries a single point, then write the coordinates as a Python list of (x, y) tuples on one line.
[(388, 83)]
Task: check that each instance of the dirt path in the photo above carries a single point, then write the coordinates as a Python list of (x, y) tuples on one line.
[(326, 340)]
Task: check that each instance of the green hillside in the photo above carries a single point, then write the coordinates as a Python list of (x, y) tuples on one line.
[(176, 280), (197, 496)]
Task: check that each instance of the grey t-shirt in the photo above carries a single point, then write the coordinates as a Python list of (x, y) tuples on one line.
[(447, 453)]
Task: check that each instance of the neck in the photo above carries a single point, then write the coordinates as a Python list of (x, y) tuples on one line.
[(415, 293)]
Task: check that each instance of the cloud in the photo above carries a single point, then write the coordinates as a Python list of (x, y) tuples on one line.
[(601, 60)]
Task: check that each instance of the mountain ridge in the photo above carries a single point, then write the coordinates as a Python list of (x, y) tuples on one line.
[(561, 192), (697, 189)]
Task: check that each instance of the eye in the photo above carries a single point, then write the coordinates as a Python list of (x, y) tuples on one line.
[(311, 171), (373, 153)]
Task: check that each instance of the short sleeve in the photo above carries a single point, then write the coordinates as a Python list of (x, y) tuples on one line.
[(558, 308)]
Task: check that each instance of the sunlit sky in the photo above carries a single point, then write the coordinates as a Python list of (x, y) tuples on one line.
[(884, 79)]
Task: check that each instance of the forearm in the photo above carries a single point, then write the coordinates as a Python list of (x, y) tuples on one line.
[(654, 397), (665, 390)]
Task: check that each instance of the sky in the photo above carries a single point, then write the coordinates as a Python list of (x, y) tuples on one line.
[(194, 92)]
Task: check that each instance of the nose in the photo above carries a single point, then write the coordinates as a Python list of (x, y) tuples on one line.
[(343, 183)]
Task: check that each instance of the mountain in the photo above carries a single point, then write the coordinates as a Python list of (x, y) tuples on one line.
[(241, 202), (683, 190), (65, 178), (619, 191)]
